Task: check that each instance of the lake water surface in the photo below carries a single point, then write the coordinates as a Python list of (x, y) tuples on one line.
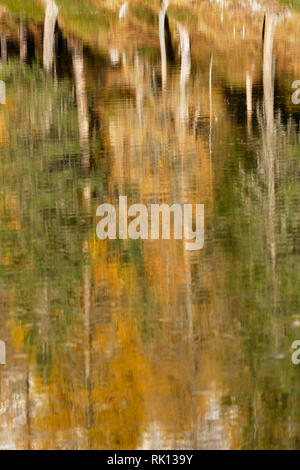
[(141, 344)]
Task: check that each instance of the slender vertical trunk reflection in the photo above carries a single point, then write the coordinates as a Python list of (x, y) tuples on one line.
[(28, 409), (87, 342), (139, 85), (269, 149), (268, 70), (23, 42), (49, 30), (184, 72), (249, 101), (82, 103), (123, 10), (187, 257), (210, 102), (3, 47), (191, 346), (162, 41)]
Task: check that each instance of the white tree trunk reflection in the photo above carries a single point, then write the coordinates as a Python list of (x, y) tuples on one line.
[(268, 70), (23, 42), (49, 29), (184, 72), (82, 104), (3, 47)]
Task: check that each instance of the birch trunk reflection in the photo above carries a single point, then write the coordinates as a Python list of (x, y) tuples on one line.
[(268, 70), (268, 164), (249, 86), (87, 342), (162, 41), (185, 71), (28, 408), (3, 47), (268, 134), (23, 42), (123, 11), (49, 29), (210, 104), (82, 103)]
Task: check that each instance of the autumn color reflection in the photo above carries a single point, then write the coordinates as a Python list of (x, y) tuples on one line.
[(125, 344)]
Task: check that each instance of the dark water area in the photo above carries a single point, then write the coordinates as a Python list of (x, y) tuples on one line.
[(142, 344)]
